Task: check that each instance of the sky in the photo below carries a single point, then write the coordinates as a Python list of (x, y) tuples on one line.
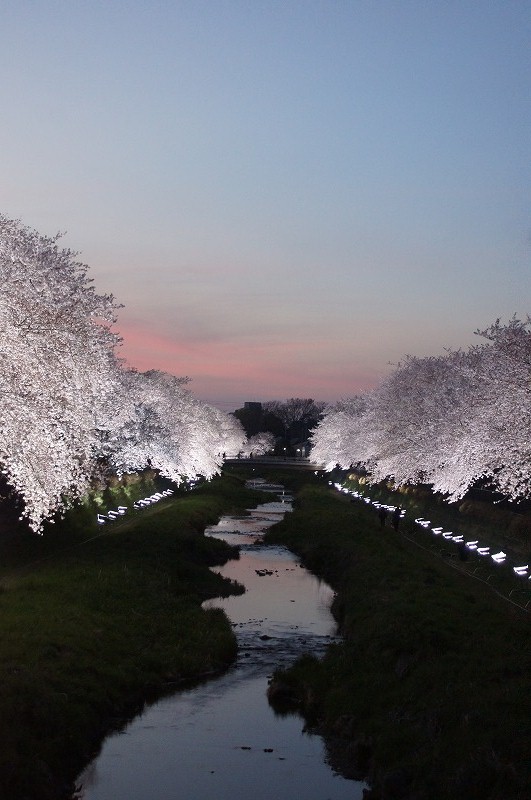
[(288, 196)]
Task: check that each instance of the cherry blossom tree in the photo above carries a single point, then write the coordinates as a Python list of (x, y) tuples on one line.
[(415, 415), (340, 438), (467, 417), (448, 421), (498, 440), (259, 444), (231, 433), (59, 369), (70, 408), (169, 430)]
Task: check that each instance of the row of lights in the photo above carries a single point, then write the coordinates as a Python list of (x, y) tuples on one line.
[(360, 496), (110, 516), (498, 558)]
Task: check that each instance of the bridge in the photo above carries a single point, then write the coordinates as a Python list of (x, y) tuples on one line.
[(281, 462)]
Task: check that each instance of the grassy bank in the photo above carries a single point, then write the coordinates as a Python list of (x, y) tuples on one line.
[(429, 694), (91, 629), (501, 524)]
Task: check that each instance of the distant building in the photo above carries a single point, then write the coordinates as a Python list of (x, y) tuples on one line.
[(252, 406)]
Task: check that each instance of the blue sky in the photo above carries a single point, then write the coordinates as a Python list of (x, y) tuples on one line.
[(285, 196)]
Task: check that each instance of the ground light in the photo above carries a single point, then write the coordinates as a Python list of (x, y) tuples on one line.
[(498, 558), (113, 514)]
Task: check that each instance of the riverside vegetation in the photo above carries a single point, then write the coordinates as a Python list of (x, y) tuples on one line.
[(428, 695), (94, 622)]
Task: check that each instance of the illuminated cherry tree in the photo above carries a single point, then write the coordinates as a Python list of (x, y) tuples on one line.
[(58, 367), (499, 408), (69, 407), (414, 417), (259, 444), (230, 437), (447, 421), (169, 430), (340, 438)]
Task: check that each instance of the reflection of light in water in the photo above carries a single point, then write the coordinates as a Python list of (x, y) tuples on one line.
[(221, 739), (280, 598), (241, 530)]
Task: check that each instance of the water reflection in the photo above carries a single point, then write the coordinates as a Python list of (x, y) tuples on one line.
[(217, 742), (221, 739)]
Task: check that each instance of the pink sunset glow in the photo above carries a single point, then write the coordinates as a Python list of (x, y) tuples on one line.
[(284, 196), (230, 372)]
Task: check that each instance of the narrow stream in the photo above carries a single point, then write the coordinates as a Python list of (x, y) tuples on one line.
[(222, 740)]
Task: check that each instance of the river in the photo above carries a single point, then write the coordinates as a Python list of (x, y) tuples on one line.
[(221, 740)]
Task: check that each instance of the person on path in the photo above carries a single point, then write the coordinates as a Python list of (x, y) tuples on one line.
[(396, 517), (382, 513)]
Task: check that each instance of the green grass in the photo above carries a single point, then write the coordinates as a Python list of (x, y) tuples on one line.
[(90, 630), (480, 520), (433, 678), (431, 683), (494, 524)]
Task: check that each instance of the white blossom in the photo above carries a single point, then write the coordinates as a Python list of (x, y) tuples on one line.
[(170, 430), (69, 406), (448, 421), (259, 444), (58, 366)]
